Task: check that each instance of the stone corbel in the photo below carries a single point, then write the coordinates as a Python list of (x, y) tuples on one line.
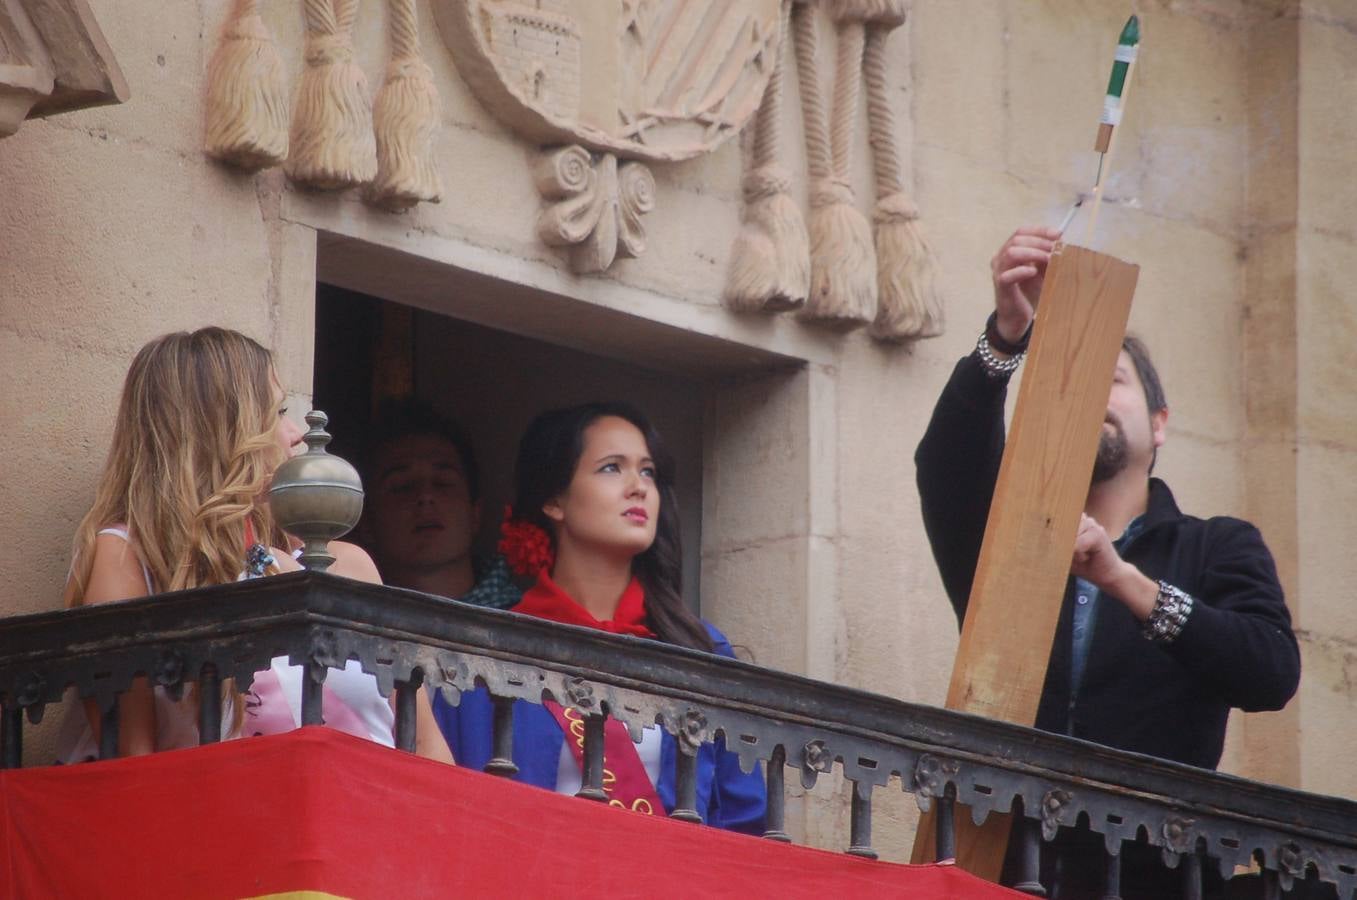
[(594, 206), (53, 58), (25, 67)]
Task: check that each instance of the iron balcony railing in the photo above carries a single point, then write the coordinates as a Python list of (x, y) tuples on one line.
[(1197, 817)]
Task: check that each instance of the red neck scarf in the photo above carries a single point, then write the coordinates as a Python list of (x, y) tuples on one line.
[(625, 782), (546, 600)]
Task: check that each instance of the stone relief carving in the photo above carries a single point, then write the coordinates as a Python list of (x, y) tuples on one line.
[(594, 208), (337, 136), (608, 85), (770, 262), (645, 79), (837, 268), (53, 59), (26, 66)]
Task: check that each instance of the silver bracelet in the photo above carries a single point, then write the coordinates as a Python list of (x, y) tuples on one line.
[(994, 366), (1171, 609)]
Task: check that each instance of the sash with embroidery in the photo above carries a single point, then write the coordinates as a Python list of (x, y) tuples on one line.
[(624, 775)]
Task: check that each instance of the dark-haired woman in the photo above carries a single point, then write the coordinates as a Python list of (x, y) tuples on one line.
[(595, 518)]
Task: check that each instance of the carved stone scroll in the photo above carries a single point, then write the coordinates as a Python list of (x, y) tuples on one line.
[(594, 206)]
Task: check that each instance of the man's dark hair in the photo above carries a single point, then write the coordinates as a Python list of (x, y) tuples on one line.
[(1149, 377), (1149, 380), (411, 418)]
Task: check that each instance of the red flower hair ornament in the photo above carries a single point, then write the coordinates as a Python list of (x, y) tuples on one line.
[(525, 546)]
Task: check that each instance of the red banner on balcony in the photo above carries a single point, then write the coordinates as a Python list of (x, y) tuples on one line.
[(317, 812)]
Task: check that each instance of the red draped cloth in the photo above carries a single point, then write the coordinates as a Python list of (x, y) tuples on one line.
[(319, 811)]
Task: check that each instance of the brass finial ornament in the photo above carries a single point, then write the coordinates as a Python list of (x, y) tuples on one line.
[(316, 496)]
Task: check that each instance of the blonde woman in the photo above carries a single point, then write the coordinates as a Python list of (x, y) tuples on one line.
[(181, 503)]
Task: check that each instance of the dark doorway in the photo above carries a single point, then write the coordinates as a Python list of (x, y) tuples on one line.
[(492, 382)]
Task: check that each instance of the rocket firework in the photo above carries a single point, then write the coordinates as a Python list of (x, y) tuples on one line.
[(1127, 46)]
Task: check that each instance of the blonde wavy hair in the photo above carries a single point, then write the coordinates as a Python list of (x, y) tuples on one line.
[(192, 454)]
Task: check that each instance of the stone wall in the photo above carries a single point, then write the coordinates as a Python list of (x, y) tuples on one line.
[(1230, 188), (1325, 452)]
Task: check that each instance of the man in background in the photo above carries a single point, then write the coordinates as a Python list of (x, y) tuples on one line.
[(423, 509)]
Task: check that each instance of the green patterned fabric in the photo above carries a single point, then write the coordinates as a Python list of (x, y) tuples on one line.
[(495, 585)]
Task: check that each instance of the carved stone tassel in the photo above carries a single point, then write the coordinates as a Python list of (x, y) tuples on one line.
[(910, 305), (246, 94), (843, 260), (332, 142), (770, 264), (404, 118)]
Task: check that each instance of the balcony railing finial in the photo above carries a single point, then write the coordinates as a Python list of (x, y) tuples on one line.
[(316, 496)]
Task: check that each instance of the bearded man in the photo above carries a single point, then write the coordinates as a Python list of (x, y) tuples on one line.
[(1169, 620), (1163, 629)]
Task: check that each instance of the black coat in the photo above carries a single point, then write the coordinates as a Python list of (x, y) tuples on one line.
[(1236, 650)]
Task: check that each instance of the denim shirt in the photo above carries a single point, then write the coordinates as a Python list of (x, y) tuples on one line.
[(1086, 598)]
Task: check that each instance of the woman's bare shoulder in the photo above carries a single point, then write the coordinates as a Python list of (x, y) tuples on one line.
[(116, 572), (352, 561)]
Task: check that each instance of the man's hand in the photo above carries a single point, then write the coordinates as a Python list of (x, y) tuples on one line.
[(1097, 561), (1019, 269)]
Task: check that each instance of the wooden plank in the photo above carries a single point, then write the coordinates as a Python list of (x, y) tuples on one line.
[(1043, 483)]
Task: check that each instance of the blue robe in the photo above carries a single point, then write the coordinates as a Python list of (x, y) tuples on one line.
[(726, 796)]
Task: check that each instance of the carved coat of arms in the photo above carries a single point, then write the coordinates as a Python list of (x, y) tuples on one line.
[(643, 80)]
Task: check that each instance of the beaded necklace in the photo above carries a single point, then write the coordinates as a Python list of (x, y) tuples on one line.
[(257, 555)]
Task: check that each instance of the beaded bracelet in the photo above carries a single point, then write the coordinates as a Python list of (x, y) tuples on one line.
[(994, 366), (1171, 609)]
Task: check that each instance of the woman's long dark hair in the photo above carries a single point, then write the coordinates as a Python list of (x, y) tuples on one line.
[(547, 457)]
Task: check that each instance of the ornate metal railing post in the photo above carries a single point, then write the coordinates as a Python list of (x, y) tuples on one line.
[(860, 820), (1030, 879), (108, 731), (502, 739), (776, 818), (209, 705), (1112, 876), (945, 839), (407, 694), (11, 737), (692, 733)]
